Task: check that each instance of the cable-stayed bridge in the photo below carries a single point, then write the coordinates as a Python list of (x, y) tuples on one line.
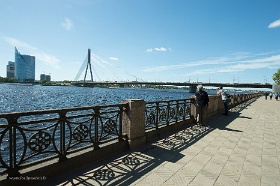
[(101, 70), (122, 78)]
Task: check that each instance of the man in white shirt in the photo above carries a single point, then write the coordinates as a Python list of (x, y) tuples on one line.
[(222, 92)]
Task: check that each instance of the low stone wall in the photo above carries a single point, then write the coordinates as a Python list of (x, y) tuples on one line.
[(216, 105), (134, 125), (240, 98)]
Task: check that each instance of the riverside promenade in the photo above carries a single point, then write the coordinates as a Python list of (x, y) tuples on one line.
[(240, 149)]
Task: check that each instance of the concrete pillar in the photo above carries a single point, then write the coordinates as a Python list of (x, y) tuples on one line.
[(192, 88), (134, 122), (215, 107), (193, 112)]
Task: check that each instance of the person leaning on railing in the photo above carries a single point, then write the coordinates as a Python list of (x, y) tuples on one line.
[(222, 92), (201, 100)]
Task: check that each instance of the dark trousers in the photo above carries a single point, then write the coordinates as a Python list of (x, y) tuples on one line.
[(226, 106), (201, 115)]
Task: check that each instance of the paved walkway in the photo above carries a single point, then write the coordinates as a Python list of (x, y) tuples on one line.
[(240, 149)]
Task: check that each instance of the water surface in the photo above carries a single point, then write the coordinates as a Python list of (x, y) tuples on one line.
[(18, 98)]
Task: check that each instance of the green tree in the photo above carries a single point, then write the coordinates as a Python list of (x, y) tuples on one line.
[(276, 77)]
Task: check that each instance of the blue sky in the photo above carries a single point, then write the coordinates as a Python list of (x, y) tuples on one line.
[(151, 40)]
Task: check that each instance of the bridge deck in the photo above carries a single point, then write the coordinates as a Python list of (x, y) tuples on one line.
[(237, 85), (241, 149)]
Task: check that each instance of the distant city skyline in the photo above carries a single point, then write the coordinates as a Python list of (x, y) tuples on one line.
[(233, 41)]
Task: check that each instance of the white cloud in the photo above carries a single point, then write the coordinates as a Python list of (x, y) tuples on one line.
[(269, 62), (274, 24), (161, 49), (30, 50), (234, 63), (214, 61), (67, 24), (18, 43), (114, 58), (149, 50)]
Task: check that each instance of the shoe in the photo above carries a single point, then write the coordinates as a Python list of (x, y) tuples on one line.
[(224, 114)]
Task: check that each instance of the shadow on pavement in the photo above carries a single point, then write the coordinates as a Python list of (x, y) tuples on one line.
[(221, 122)]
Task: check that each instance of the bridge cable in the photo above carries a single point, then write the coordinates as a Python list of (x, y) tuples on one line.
[(100, 60), (82, 68)]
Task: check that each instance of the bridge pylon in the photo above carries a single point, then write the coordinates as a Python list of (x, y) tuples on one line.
[(88, 66), (192, 88)]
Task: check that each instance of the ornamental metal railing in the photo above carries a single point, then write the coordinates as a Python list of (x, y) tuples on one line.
[(30, 138), (162, 113)]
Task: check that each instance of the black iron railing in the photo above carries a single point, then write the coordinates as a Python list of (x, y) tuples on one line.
[(29, 138), (162, 113)]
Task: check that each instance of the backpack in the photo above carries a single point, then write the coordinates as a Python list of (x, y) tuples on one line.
[(227, 96)]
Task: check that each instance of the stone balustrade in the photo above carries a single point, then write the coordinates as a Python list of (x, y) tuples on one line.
[(134, 119)]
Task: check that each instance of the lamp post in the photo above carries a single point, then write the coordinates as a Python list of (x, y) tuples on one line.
[(264, 80)]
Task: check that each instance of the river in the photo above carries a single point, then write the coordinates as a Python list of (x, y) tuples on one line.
[(19, 98)]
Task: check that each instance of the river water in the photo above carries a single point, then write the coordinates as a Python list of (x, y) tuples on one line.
[(19, 98)]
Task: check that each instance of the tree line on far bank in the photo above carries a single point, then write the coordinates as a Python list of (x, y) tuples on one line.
[(47, 83), (7, 80), (275, 77)]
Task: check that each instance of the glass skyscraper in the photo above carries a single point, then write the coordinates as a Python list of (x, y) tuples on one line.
[(24, 67), (11, 69)]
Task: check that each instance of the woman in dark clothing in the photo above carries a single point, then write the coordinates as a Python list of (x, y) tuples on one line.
[(202, 99)]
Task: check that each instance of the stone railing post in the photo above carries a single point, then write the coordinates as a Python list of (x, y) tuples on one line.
[(193, 111), (215, 107), (134, 122)]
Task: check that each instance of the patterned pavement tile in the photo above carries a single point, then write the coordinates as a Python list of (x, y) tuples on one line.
[(220, 159), (202, 179), (253, 169), (237, 158), (213, 168), (267, 180), (225, 150), (270, 169), (226, 180), (180, 178), (249, 180)]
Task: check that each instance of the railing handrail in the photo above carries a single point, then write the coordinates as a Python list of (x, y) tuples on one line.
[(37, 112), (166, 101)]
